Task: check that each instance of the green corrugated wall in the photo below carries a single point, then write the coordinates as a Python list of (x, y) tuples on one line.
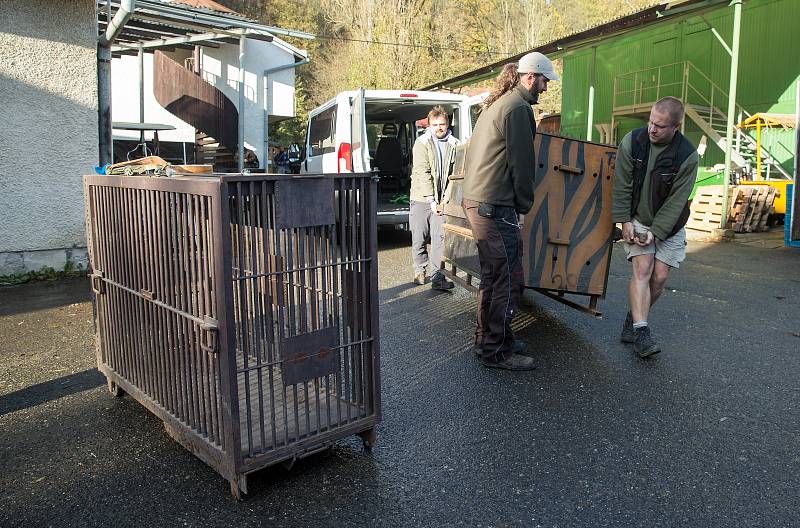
[(769, 67)]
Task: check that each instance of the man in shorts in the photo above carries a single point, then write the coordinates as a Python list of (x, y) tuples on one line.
[(655, 171)]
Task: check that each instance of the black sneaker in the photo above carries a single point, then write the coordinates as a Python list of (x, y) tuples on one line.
[(643, 343), (512, 362), (627, 330), (439, 282)]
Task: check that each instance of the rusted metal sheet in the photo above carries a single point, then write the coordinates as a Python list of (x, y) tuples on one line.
[(254, 342), (310, 355), (567, 234), (303, 202)]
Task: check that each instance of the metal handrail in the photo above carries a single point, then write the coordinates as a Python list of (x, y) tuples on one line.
[(688, 88)]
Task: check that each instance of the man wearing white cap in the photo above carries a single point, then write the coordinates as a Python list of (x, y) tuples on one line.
[(498, 187)]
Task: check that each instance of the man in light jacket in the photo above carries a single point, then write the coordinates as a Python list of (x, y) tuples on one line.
[(433, 157)]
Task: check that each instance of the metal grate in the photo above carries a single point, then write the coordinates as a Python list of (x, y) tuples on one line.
[(301, 304), (242, 310)]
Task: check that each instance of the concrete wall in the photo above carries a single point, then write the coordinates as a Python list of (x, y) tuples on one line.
[(48, 97)]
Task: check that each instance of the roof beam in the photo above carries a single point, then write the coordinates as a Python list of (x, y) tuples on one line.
[(203, 37), (216, 20)]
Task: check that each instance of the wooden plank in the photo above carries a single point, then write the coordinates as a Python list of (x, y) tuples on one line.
[(768, 209), (757, 210)]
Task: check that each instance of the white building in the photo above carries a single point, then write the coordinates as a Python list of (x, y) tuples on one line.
[(48, 96), (269, 98), (52, 96)]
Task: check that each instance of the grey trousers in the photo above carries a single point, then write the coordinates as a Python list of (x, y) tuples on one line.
[(425, 225)]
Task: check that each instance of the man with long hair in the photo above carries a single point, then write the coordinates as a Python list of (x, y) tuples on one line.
[(498, 188)]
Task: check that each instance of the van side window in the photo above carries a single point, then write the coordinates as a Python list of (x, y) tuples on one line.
[(322, 131)]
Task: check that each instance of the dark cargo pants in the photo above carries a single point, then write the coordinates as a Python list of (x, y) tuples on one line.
[(499, 242)]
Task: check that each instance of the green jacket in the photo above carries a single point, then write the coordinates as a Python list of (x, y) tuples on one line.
[(662, 221), (500, 161), (429, 178)]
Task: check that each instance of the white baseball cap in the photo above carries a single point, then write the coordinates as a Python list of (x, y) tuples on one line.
[(536, 62)]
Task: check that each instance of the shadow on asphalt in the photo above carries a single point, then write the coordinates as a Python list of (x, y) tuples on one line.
[(50, 390), (36, 296)]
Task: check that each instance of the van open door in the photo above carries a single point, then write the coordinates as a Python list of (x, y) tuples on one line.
[(469, 114), (358, 130)]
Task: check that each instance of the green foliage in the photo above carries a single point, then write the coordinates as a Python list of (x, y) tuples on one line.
[(45, 274)]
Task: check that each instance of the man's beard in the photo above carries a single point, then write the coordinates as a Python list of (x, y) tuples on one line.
[(535, 92)]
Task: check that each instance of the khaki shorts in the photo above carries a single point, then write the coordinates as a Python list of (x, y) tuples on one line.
[(671, 251)]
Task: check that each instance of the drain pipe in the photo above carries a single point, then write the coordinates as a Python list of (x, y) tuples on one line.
[(242, 102), (116, 24), (267, 159), (104, 41)]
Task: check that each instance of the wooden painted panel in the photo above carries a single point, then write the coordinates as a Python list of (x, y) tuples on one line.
[(568, 233)]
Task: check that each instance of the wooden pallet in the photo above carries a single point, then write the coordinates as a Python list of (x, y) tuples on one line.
[(749, 209)]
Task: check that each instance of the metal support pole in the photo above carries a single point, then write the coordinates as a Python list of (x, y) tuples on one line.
[(241, 102), (141, 90), (268, 106), (737, 23), (794, 226), (590, 112), (105, 145), (266, 156)]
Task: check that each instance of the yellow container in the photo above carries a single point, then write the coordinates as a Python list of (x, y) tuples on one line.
[(780, 198)]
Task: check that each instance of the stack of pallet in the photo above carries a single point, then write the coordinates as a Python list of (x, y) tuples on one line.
[(749, 210)]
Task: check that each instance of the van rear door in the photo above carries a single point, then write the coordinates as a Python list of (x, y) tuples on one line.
[(358, 131), (469, 114)]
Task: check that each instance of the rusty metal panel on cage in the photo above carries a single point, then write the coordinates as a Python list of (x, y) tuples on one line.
[(304, 202)]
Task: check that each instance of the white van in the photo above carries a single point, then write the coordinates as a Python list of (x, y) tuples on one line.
[(375, 130)]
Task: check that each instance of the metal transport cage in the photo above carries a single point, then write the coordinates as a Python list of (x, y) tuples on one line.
[(241, 310)]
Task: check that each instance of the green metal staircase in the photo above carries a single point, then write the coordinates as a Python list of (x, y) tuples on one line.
[(635, 92)]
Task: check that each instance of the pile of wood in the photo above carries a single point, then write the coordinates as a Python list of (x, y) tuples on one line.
[(749, 208)]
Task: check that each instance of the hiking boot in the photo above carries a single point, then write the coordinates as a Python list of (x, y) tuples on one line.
[(439, 282), (627, 330), (643, 343), (419, 280), (512, 362)]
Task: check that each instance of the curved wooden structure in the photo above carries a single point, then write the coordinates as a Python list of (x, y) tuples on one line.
[(186, 95)]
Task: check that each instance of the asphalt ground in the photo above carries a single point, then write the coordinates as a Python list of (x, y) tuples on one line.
[(704, 434)]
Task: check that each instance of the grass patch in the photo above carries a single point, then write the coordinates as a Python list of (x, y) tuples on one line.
[(45, 274)]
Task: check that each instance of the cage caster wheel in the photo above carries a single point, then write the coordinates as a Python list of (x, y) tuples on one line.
[(368, 438), (115, 390)]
